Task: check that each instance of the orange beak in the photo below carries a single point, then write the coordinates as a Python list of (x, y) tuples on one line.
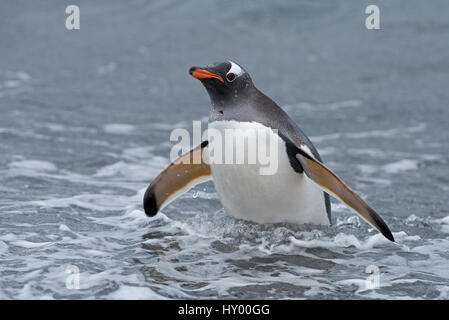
[(204, 74)]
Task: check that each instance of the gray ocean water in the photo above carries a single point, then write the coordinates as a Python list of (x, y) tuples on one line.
[(85, 120)]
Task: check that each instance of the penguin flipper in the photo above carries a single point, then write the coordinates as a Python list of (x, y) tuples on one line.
[(331, 183), (177, 178)]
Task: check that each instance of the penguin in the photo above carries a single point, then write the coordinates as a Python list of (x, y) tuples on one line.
[(299, 189)]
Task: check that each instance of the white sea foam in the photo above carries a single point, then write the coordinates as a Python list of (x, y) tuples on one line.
[(63, 227), (38, 165), (385, 133), (23, 76), (133, 171), (134, 293), (198, 251), (118, 128), (332, 106), (3, 248), (29, 244)]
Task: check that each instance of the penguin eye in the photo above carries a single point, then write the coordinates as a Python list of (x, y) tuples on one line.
[(230, 76)]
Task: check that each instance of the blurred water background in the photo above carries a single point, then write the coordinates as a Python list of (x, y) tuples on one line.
[(85, 119)]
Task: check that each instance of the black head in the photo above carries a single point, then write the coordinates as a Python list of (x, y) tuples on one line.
[(226, 82)]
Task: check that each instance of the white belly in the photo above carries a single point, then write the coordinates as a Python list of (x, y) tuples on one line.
[(284, 196)]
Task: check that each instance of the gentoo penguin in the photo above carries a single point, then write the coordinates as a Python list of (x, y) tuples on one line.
[(296, 192)]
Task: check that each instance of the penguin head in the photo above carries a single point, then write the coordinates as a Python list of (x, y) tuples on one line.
[(226, 82)]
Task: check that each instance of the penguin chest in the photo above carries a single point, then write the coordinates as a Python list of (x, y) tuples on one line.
[(260, 185)]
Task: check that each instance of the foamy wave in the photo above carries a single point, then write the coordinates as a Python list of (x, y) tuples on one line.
[(119, 128), (401, 165), (38, 165)]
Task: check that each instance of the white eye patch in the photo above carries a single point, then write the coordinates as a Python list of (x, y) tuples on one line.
[(235, 69)]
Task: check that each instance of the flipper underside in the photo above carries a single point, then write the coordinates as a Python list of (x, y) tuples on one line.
[(177, 178)]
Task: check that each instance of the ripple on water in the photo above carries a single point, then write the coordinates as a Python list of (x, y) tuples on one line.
[(193, 249)]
